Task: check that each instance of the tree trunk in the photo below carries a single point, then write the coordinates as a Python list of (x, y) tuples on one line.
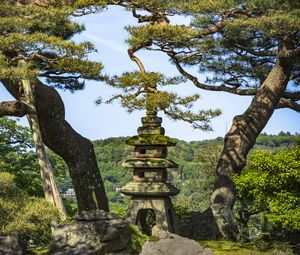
[(49, 182), (77, 151), (239, 140)]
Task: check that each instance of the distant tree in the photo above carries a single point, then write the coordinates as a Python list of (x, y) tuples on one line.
[(17, 157), (38, 34)]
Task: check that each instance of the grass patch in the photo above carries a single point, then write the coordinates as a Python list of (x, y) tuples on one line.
[(40, 250), (235, 248)]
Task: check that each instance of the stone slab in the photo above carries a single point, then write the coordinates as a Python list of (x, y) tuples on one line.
[(149, 163), (172, 244), (151, 189)]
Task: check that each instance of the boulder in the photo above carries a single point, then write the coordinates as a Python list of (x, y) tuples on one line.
[(12, 245), (101, 234), (172, 244), (198, 226)]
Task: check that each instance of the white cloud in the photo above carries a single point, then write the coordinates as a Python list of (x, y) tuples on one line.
[(107, 43)]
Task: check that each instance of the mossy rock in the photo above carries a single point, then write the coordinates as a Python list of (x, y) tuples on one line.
[(151, 139)]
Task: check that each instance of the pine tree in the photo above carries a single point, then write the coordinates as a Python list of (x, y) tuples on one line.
[(35, 46), (248, 48)]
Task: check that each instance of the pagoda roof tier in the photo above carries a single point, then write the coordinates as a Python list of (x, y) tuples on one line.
[(149, 163), (149, 189), (151, 139)]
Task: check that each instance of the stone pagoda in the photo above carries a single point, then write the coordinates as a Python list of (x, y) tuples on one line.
[(150, 189)]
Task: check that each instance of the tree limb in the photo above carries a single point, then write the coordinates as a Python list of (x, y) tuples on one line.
[(13, 108), (263, 53), (237, 91), (134, 58), (285, 103), (290, 53), (295, 96), (217, 27)]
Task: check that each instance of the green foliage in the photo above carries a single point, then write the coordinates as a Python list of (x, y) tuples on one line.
[(110, 153), (137, 238), (119, 209), (17, 157), (196, 174), (39, 250), (142, 91), (270, 185), (151, 139), (70, 205), (181, 212), (233, 43), (234, 248), (24, 216), (13, 137), (281, 140), (61, 171), (40, 37), (177, 35)]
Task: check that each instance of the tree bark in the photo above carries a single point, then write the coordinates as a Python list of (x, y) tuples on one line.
[(239, 140), (77, 151)]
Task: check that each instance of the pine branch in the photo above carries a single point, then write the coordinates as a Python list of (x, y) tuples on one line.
[(134, 58), (294, 96), (290, 53), (224, 88), (217, 27), (261, 53), (154, 18)]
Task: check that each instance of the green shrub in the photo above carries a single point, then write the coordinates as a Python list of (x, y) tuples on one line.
[(138, 238), (22, 215), (119, 209), (270, 186), (71, 206), (181, 212)]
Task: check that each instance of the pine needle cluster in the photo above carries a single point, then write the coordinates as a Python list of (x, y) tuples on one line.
[(40, 36)]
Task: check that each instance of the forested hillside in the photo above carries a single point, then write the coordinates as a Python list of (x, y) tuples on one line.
[(195, 175)]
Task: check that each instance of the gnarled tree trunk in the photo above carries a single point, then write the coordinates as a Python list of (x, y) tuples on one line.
[(77, 151), (239, 140)]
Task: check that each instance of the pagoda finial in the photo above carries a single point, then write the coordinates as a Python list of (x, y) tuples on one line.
[(151, 124)]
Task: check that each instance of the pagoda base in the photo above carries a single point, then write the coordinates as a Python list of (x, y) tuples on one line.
[(163, 210)]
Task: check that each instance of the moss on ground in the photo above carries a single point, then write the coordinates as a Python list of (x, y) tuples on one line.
[(236, 248), (40, 250)]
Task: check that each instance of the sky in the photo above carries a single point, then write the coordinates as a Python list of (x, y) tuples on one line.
[(106, 31)]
